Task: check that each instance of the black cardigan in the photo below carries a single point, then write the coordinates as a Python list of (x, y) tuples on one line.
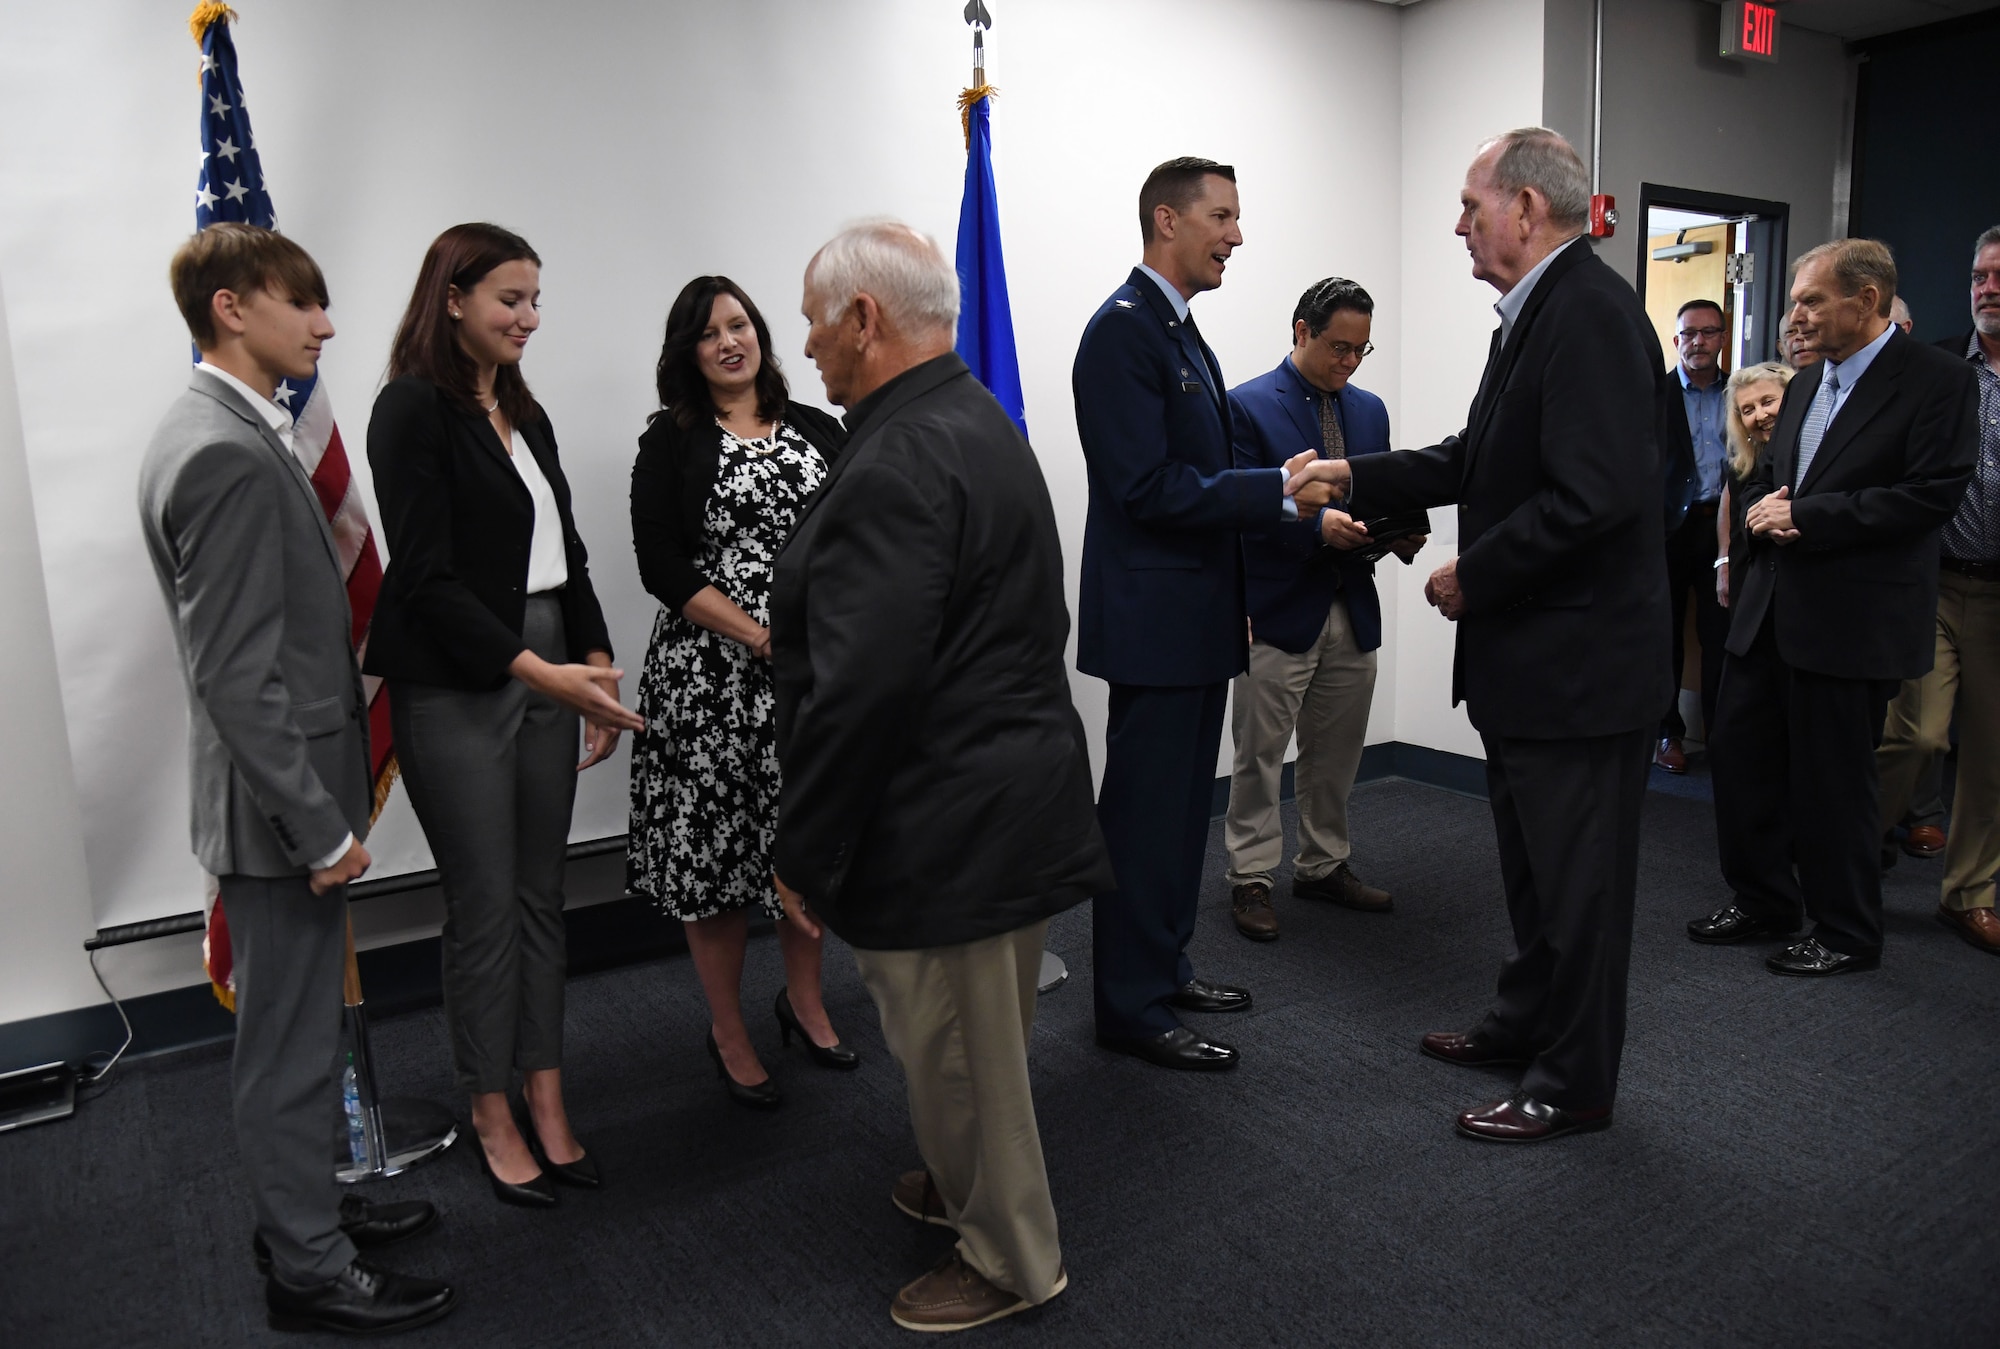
[(459, 523), (671, 482)]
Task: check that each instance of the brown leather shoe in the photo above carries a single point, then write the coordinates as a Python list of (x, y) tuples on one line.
[(917, 1195), (1341, 886), (1523, 1119), (1468, 1049), (1670, 755), (1250, 906), (1923, 840), (955, 1296), (1981, 927)]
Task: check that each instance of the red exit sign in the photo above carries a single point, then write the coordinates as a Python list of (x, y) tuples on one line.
[(1750, 30)]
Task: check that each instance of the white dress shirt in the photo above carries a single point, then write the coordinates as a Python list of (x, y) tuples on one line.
[(279, 421), (548, 567)]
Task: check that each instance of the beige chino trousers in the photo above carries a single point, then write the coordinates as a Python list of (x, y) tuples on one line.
[(1324, 694), (1967, 674), (957, 1018)]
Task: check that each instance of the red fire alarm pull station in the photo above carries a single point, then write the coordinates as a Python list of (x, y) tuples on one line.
[(1750, 30), (1603, 216)]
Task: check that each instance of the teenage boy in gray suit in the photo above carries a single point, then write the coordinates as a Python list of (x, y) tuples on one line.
[(278, 759)]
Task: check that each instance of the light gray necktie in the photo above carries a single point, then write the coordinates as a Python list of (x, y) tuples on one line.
[(1817, 416)]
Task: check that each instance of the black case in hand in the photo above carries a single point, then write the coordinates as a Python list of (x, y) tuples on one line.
[(1388, 529)]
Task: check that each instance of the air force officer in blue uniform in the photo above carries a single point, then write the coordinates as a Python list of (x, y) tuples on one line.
[(1162, 605)]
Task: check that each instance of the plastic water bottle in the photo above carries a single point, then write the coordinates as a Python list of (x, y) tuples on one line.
[(357, 1132)]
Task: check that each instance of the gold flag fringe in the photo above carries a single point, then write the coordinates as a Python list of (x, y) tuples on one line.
[(965, 102), (206, 13), (383, 786)]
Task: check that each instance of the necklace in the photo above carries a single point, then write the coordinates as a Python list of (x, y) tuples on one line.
[(759, 445)]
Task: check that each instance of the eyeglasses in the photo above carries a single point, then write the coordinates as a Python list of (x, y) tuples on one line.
[(1341, 351), (1701, 332)]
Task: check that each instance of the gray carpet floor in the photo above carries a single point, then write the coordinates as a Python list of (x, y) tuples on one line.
[(1793, 1162)]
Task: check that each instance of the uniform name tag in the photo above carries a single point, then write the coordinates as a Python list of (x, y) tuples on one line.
[(1191, 386)]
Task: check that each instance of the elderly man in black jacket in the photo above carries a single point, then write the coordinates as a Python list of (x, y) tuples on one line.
[(1560, 594), (936, 806)]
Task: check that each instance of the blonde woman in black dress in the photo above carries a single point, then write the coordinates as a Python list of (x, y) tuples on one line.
[(724, 469)]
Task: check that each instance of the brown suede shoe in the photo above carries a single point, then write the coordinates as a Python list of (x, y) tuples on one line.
[(917, 1195), (1923, 840), (1341, 886), (1981, 927), (1250, 906), (955, 1296)]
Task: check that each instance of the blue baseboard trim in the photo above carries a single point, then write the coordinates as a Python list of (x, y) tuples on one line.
[(1393, 759)]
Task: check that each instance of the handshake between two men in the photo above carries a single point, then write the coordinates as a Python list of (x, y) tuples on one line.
[(1314, 482)]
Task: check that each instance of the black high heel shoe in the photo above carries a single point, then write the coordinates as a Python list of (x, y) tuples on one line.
[(535, 1193), (581, 1174), (763, 1096), (836, 1055)]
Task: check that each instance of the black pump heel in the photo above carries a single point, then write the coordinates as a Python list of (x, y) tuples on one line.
[(535, 1193), (763, 1096), (836, 1055), (580, 1174)]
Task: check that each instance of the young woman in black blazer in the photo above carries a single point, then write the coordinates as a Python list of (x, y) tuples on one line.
[(493, 644), (723, 471)]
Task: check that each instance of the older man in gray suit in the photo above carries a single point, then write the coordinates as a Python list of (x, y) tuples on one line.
[(278, 758)]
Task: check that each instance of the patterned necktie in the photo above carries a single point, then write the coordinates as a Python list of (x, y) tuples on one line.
[(1817, 416), (1329, 429)]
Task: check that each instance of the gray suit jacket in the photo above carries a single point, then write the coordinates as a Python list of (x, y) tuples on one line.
[(278, 730)]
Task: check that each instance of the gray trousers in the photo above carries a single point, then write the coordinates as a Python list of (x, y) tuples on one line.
[(289, 951), (1323, 693), (957, 1018), (493, 778)]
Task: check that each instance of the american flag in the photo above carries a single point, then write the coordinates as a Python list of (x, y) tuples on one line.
[(231, 187)]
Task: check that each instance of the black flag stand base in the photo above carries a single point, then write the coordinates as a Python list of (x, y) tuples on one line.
[(399, 1132)]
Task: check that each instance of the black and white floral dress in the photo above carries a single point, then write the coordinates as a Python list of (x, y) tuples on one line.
[(705, 769)]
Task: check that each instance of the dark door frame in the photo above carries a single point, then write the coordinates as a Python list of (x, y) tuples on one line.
[(1768, 295)]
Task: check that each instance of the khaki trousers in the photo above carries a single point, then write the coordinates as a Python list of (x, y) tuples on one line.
[(957, 1019), (1967, 674), (1323, 693)]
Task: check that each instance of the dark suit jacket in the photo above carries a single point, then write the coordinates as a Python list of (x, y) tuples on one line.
[(459, 522), (672, 480), (936, 783), (1856, 596), (1161, 596), (1562, 549), (1683, 474), (1294, 578)]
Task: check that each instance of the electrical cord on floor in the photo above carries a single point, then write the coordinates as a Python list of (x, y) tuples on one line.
[(86, 1074)]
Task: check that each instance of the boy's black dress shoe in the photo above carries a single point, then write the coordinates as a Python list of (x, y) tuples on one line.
[(368, 1226), (1811, 960), (360, 1300), (1178, 1048)]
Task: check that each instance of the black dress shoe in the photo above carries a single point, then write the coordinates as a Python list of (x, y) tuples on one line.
[(1470, 1050), (1523, 1119), (1178, 1048), (835, 1055), (368, 1226), (360, 1300), (535, 1192), (759, 1096), (581, 1174), (1199, 995), (1810, 959), (1728, 926)]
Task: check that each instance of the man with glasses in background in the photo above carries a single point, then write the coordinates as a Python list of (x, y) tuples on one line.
[(1315, 621), (1701, 330)]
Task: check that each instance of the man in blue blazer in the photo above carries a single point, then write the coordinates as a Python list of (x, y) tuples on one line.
[(1315, 620), (1162, 615)]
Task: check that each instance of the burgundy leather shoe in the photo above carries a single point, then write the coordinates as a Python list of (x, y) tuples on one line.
[(1670, 756), (1469, 1050), (1978, 926), (1523, 1119), (1923, 840)]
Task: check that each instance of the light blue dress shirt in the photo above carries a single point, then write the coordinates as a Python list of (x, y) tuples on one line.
[(1707, 413), (1509, 306)]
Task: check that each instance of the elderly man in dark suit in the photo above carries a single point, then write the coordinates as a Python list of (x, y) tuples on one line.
[(935, 809), (1560, 594), (1315, 620), (278, 760), (1838, 606), (1162, 605)]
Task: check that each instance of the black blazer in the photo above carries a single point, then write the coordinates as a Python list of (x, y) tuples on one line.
[(936, 783), (671, 482), (459, 522), (1856, 596), (1562, 545)]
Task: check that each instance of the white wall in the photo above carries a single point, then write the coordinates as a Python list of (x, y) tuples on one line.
[(635, 146), (1471, 68)]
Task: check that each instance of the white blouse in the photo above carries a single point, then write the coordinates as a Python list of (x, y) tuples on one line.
[(548, 566)]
